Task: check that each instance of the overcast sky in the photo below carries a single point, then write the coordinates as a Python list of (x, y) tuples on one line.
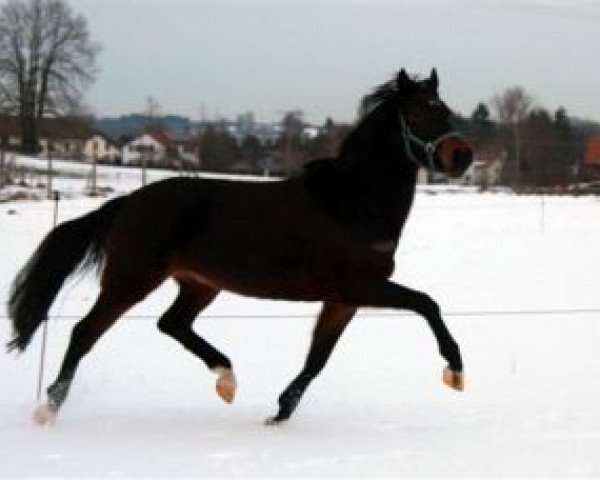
[(322, 56)]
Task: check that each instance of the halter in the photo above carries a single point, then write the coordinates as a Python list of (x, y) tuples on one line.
[(429, 146)]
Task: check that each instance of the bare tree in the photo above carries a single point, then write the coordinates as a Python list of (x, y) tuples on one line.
[(512, 106), (292, 125), (46, 60)]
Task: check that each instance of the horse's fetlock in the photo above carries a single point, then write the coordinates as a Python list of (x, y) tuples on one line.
[(57, 393), (451, 352), (289, 400)]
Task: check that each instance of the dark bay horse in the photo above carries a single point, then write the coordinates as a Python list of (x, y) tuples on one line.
[(328, 234)]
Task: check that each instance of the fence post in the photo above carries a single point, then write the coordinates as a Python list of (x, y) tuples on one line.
[(49, 178), (543, 215), (2, 167), (56, 198)]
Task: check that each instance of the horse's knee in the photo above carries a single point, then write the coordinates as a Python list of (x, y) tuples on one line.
[(178, 319), (168, 327), (427, 306)]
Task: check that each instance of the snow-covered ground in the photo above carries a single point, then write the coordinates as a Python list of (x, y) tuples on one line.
[(518, 279)]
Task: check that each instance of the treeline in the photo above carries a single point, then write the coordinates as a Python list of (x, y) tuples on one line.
[(541, 147), (538, 147), (281, 153)]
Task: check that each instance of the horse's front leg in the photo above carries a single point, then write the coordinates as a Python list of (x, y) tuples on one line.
[(392, 295), (331, 323)]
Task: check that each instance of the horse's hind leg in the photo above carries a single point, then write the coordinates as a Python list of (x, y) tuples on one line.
[(330, 325), (177, 323), (101, 317)]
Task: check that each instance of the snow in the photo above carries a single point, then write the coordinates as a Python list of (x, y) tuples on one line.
[(143, 407)]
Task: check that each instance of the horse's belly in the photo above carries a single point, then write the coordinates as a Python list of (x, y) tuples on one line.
[(278, 281), (288, 287), (310, 280), (309, 264)]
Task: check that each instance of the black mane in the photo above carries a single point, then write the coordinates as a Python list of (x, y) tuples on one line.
[(382, 93), (370, 116)]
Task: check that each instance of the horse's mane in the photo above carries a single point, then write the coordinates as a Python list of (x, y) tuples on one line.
[(369, 116), (388, 90), (380, 94)]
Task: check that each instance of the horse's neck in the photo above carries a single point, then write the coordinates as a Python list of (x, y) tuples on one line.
[(369, 187), (386, 202), (370, 191)]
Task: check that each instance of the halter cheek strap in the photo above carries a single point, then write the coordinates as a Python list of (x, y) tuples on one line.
[(429, 146)]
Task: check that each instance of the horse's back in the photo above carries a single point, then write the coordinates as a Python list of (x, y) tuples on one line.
[(175, 220), (268, 239)]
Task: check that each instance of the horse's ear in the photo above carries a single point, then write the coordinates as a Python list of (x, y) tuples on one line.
[(404, 83), (433, 80)]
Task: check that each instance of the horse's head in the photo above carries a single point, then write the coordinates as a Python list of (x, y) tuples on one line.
[(429, 139)]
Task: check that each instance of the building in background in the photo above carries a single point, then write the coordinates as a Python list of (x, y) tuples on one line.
[(591, 160)]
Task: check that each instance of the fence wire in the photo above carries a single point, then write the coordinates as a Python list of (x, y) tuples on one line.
[(367, 314)]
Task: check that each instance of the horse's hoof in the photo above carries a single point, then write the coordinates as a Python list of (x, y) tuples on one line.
[(44, 415), (226, 384), (455, 380), (274, 421)]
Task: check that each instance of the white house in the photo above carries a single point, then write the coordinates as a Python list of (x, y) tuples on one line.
[(155, 146), (102, 148), (486, 168), (188, 150)]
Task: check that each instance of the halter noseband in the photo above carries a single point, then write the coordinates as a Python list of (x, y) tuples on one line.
[(429, 146)]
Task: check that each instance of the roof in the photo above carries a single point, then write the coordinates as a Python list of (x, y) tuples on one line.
[(63, 128), (592, 151), (106, 138), (160, 137), (10, 126), (189, 143)]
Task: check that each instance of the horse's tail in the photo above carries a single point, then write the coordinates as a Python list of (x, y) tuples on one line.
[(69, 245)]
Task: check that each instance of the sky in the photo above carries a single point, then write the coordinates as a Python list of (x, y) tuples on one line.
[(224, 57)]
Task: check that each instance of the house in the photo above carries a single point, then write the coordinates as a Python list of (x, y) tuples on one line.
[(102, 148), (486, 169), (591, 159), (156, 147), (188, 150), (63, 137), (60, 137), (10, 132)]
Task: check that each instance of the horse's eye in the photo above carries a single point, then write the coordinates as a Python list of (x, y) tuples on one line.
[(434, 103)]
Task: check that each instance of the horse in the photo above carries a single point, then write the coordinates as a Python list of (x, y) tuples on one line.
[(326, 234)]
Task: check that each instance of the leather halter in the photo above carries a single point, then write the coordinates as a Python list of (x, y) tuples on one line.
[(428, 146)]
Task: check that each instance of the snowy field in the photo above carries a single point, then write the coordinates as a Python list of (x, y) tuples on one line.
[(517, 277)]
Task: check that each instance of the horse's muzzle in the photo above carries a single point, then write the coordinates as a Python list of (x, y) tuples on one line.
[(461, 160), (456, 156)]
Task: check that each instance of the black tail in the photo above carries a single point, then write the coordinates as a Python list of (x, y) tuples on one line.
[(69, 245)]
